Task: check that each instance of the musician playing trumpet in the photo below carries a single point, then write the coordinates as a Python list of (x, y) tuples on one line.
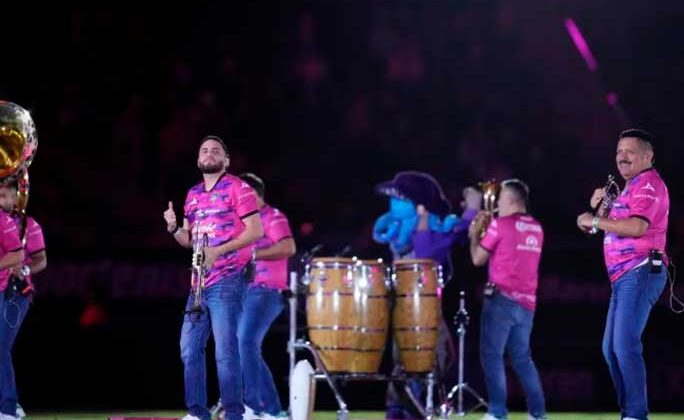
[(634, 252), (512, 247), (224, 208)]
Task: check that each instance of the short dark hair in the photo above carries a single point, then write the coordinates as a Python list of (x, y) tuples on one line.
[(255, 182), (519, 188), (645, 138), (216, 139)]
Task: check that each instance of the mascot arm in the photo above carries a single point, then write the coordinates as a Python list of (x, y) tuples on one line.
[(443, 226), (385, 228)]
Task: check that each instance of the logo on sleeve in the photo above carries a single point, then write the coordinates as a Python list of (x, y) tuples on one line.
[(649, 187)]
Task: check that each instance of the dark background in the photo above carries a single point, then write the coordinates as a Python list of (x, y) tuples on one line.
[(324, 99)]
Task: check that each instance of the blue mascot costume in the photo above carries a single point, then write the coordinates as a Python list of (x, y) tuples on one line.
[(398, 227), (407, 238)]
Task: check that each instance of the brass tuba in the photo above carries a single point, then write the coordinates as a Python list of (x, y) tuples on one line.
[(18, 144), (490, 195)]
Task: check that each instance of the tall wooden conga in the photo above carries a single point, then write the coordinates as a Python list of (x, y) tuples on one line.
[(417, 312), (347, 312)]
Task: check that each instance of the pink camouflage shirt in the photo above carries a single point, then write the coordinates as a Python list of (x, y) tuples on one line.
[(219, 213), (515, 244), (645, 196), (35, 242), (272, 273), (9, 242)]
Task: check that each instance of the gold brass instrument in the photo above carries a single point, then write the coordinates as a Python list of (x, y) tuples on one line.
[(613, 191), (198, 270), (18, 145), (490, 195)]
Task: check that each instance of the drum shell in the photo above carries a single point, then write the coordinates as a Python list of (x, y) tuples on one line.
[(417, 313), (347, 311)]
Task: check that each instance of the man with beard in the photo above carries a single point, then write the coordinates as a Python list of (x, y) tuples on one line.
[(224, 208), (634, 252)]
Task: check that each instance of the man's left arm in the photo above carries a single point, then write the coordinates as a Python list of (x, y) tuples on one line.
[(35, 247), (645, 202), (253, 231), (284, 248), (634, 226), (277, 229), (479, 255), (38, 262)]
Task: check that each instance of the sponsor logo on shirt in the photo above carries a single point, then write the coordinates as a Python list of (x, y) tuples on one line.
[(650, 197), (521, 226), (649, 187), (531, 244)]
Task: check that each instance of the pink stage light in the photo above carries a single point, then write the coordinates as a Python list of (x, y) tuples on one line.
[(581, 44)]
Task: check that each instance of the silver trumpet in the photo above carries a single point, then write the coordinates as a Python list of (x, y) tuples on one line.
[(198, 270), (613, 191)]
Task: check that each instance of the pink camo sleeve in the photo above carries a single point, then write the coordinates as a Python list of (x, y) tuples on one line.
[(645, 200), (492, 237), (35, 241), (10, 234), (245, 199), (278, 228)]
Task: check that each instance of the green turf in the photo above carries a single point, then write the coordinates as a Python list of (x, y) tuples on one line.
[(331, 415)]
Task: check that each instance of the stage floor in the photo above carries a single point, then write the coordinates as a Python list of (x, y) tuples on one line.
[(328, 415)]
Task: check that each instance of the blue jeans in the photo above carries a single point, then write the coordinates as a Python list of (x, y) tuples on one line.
[(506, 326), (633, 295), (222, 305), (12, 313), (261, 307)]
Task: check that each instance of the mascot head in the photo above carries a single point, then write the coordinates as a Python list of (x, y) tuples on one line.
[(418, 187), (406, 191)]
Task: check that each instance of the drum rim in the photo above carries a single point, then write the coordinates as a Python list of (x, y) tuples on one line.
[(370, 262), (339, 260), (413, 261)]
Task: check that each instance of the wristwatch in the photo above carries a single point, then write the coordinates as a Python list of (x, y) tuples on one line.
[(25, 271)]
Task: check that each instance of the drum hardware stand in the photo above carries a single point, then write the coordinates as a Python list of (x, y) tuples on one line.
[(429, 411), (461, 320), (295, 344)]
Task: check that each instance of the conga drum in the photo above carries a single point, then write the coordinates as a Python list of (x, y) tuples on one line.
[(417, 312), (347, 311)]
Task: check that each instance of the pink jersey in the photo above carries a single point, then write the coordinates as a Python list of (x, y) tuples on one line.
[(272, 273), (645, 196), (9, 242), (219, 213), (35, 242), (515, 244)]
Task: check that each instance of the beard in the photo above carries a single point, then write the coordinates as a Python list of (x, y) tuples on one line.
[(211, 168)]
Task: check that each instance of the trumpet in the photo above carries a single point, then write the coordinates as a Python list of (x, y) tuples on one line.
[(613, 191), (198, 270), (490, 195)]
